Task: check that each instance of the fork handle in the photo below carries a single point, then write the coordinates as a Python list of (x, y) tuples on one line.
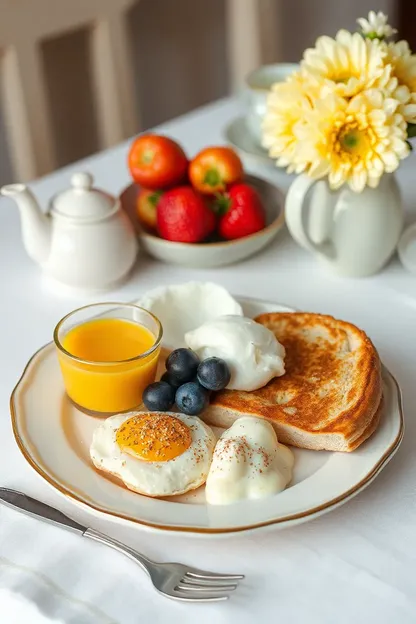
[(143, 562)]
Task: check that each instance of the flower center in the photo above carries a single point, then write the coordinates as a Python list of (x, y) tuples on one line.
[(342, 79), (374, 35), (351, 141)]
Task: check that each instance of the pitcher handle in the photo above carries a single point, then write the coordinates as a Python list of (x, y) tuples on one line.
[(296, 207)]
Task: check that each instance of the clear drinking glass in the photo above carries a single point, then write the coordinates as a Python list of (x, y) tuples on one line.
[(107, 387)]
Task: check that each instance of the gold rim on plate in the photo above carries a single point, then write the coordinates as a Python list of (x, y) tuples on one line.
[(293, 517)]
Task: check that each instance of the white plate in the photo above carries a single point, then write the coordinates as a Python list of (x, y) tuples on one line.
[(215, 254), (322, 481)]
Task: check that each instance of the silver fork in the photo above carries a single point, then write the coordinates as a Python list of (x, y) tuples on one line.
[(176, 580), (173, 580)]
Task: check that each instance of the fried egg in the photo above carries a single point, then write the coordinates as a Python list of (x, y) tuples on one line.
[(154, 453), (248, 463)]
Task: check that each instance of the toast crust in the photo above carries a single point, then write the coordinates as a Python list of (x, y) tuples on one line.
[(331, 393)]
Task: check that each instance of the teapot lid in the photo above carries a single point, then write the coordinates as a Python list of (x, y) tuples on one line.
[(82, 200)]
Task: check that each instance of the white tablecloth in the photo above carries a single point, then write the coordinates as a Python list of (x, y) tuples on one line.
[(355, 564)]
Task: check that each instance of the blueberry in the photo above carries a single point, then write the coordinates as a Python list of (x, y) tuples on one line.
[(214, 374), (171, 380), (159, 396), (192, 398), (182, 364)]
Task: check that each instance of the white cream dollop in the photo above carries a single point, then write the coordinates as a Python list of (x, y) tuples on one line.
[(248, 463), (251, 351)]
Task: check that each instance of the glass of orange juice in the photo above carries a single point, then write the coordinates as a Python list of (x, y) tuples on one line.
[(108, 354)]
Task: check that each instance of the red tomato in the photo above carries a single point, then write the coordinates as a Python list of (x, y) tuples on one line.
[(157, 162), (213, 169)]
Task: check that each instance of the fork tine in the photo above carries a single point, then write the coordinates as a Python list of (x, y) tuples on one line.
[(202, 574), (205, 588), (178, 594), (189, 580)]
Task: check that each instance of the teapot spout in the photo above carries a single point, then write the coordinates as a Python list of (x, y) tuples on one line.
[(36, 226)]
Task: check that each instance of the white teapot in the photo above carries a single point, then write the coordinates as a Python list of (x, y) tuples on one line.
[(84, 241)]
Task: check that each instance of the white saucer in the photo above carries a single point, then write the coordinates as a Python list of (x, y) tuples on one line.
[(322, 481), (238, 135)]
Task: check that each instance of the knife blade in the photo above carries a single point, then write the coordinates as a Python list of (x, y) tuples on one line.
[(37, 509)]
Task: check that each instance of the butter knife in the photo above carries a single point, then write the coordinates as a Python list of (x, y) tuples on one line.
[(173, 580)]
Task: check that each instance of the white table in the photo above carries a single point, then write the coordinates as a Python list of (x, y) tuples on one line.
[(355, 564)]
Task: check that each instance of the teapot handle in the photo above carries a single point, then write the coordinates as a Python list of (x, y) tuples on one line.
[(298, 203)]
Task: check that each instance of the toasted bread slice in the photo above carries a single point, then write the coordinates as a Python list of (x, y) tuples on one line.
[(331, 395)]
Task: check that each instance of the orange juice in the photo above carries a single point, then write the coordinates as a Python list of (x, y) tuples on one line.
[(107, 363)]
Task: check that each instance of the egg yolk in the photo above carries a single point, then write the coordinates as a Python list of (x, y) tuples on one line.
[(154, 437)]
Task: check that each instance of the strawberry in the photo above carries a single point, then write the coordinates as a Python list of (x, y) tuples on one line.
[(184, 216), (242, 212)]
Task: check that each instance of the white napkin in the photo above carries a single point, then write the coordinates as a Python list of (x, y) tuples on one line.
[(17, 609), (352, 565), (59, 577)]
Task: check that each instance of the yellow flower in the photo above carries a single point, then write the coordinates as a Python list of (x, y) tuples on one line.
[(376, 26), (402, 69), (286, 107), (347, 64), (354, 141), (403, 63)]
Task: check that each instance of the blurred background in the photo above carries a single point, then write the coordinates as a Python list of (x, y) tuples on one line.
[(80, 76)]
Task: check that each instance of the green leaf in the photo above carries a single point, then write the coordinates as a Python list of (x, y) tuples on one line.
[(221, 204), (410, 146), (411, 130)]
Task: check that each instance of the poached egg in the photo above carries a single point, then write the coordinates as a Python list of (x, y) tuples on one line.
[(252, 351), (248, 463)]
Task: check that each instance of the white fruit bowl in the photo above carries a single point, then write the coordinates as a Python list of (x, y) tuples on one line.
[(210, 255)]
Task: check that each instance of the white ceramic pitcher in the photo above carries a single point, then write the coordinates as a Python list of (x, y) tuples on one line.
[(355, 234)]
